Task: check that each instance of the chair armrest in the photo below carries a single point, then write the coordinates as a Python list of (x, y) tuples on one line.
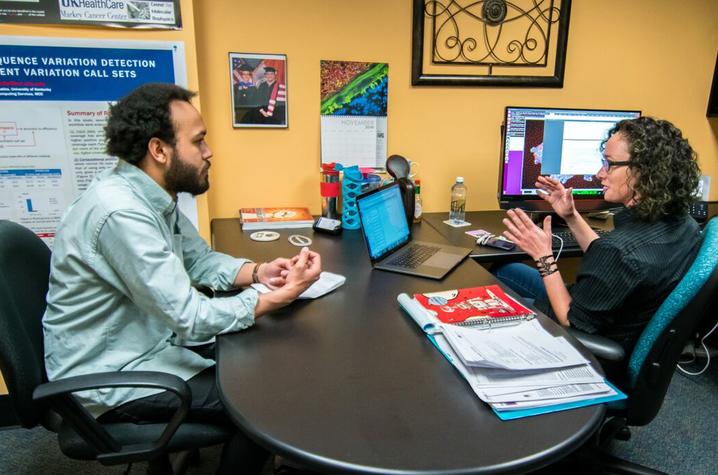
[(58, 394), (602, 347), (114, 379)]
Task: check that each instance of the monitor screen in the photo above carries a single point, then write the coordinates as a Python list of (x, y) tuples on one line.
[(562, 143)]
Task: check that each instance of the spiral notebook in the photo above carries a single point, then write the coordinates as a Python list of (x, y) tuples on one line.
[(486, 305)]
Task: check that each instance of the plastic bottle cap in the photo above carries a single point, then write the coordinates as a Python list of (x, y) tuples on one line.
[(459, 179)]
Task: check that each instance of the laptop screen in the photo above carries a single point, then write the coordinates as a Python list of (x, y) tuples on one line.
[(383, 220)]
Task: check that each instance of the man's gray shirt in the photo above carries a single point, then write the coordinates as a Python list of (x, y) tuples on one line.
[(121, 296)]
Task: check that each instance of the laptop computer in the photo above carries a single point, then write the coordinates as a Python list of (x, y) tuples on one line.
[(388, 238)]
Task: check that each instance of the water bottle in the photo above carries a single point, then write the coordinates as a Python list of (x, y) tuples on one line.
[(457, 211), (418, 211), (329, 190)]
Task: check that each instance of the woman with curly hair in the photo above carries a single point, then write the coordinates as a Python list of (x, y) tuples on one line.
[(650, 169)]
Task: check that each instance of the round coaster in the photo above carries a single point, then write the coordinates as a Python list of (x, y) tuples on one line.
[(264, 236), (299, 240)]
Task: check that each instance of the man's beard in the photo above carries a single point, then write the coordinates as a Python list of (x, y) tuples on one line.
[(182, 177)]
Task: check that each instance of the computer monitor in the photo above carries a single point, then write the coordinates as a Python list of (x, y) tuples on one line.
[(562, 143)]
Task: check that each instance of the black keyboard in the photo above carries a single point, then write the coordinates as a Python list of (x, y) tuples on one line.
[(569, 240), (413, 256)]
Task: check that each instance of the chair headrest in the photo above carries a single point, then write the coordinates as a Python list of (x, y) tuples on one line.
[(398, 167), (696, 277)]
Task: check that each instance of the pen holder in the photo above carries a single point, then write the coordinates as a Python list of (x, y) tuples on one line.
[(351, 188)]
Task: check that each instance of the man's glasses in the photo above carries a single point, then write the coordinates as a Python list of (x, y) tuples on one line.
[(607, 164)]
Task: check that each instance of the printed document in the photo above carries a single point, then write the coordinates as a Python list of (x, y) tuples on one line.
[(520, 347), (567, 391), (500, 378), (512, 406)]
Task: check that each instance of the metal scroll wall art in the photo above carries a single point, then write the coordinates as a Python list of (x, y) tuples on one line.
[(490, 42)]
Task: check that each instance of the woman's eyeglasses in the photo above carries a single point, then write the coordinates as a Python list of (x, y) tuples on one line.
[(607, 164)]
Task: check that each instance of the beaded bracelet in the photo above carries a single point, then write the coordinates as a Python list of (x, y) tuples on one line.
[(255, 272), (546, 265)]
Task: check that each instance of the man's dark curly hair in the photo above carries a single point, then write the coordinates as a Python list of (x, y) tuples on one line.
[(664, 164), (142, 114)]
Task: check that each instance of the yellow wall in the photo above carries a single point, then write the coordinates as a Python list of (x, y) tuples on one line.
[(186, 35), (643, 54)]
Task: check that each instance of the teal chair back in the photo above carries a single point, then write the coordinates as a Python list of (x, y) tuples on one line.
[(657, 350)]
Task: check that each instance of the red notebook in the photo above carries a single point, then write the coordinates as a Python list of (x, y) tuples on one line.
[(475, 305)]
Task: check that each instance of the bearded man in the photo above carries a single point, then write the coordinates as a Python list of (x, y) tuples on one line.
[(126, 265)]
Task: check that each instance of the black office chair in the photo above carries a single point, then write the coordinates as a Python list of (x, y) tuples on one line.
[(653, 360), (399, 168), (24, 275)]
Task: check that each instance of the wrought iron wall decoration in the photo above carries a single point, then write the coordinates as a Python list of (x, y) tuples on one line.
[(490, 42)]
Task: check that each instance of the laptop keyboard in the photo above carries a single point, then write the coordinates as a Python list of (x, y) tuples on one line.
[(569, 240), (413, 256)]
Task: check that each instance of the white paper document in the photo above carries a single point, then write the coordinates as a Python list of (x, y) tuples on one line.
[(524, 397), (520, 347), (327, 282), (510, 380), (517, 405), (562, 392)]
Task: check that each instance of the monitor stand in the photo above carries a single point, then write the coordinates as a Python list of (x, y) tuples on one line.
[(556, 221)]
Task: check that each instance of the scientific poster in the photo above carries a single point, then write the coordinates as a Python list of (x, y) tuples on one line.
[(113, 13), (54, 98), (353, 113)]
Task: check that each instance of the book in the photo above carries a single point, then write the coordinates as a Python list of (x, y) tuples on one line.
[(476, 306), (275, 218)]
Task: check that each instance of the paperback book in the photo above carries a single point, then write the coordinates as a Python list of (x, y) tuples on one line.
[(275, 218)]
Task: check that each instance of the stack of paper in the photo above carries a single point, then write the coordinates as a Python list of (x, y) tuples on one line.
[(519, 370)]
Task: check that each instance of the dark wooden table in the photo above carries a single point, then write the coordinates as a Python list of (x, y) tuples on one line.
[(348, 383), (491, 221)]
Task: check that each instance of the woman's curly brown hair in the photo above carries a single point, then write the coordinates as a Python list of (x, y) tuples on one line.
[(664, 164)]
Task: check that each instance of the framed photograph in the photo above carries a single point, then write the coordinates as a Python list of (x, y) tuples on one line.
[(259, 90)]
